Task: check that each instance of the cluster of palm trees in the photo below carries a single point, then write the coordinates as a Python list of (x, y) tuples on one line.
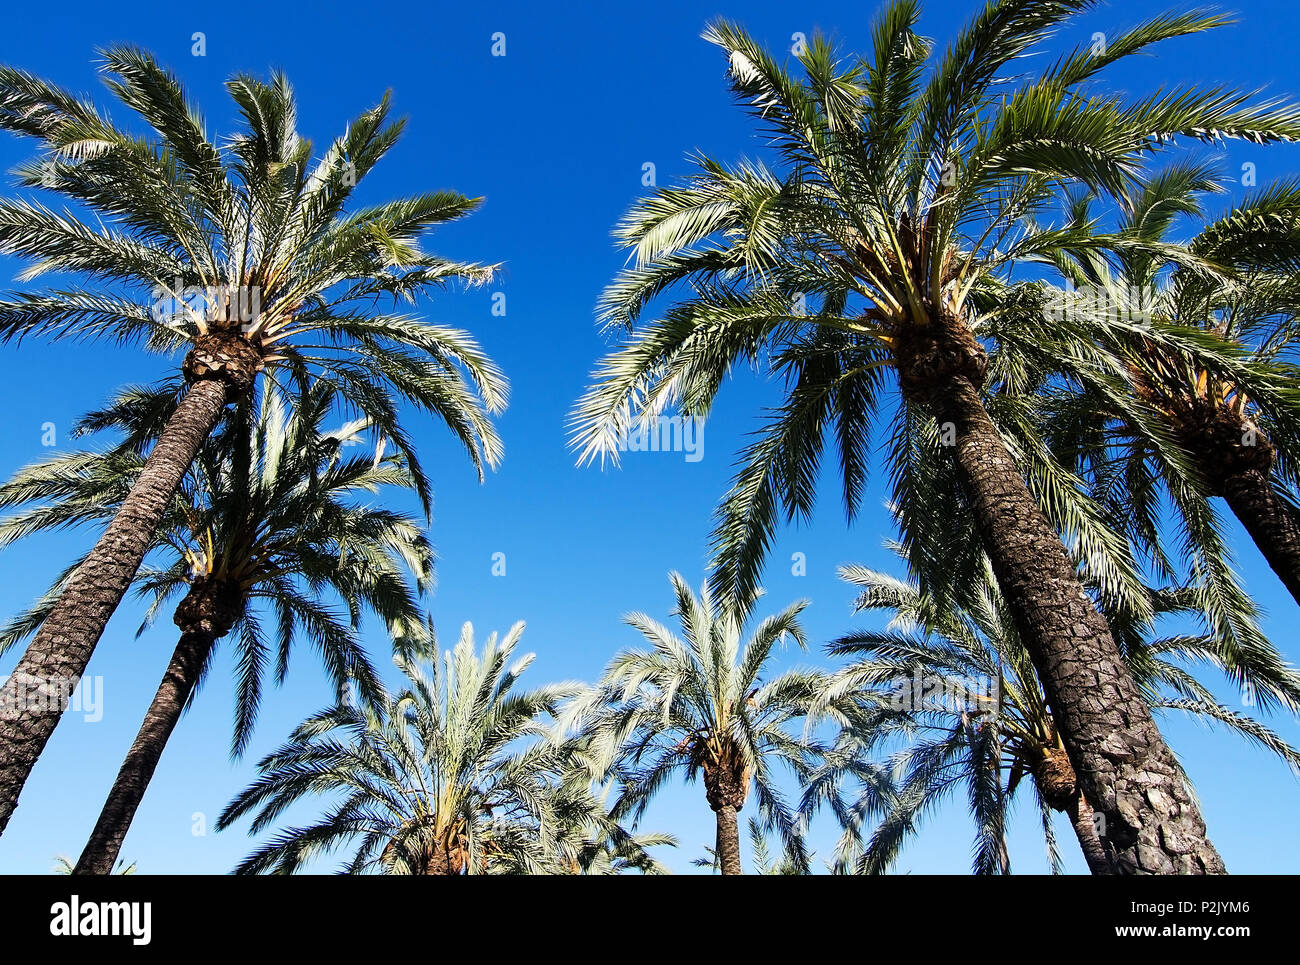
[(1057, 445)]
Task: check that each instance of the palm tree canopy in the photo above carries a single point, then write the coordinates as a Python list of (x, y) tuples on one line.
[(456, 773), (274, 508), (249, 247), (905, 184), (1150, 427), (953, 691), (701, 706)]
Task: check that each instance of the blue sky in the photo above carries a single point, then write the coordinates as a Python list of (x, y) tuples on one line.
[(555, 136)]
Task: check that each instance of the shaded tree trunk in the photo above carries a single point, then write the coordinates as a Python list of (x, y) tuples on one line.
[(1237, 459), (183, 673), (436, 859), (1058, 786), (727, 845), (1083, 819), (726, 785), (1124, 767), (1269, 521), (57, 656)]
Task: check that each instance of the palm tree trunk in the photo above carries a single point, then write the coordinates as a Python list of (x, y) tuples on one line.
[(100, 853), (1083, 818), (1269, 521), (1124, 767), (58, 655), (728, 841)]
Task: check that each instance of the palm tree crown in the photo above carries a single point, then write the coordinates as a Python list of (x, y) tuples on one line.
[(248, 247), (456, 774), (267, 521), (701, 706), (952, 689), (1169, 426), (905, 185)]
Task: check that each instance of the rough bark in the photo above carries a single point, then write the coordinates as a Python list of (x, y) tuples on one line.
[(221, 367), (726, 786), (728, 841), (206, 614), (101, 851), (436, 858), (1237, 459), (57, 656), (1083, 819), (1269, 521), (1124, 768)]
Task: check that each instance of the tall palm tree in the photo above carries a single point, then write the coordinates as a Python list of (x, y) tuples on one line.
[(955, 687), (246, 258), (267, 521), (1225, 442), (456, 774), (701, 706), (893, 212)]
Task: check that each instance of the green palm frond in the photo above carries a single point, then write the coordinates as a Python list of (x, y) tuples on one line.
[(897, 189), (457, 773), (176, 216), (275, 505), (981, 721), (702, 707)]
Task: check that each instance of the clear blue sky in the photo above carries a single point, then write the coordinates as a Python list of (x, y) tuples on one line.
[(554, 135)]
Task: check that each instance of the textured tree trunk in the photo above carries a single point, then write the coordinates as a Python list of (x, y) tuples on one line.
[(101, 851), (1269, 521), (58, 655), (1083, 818), (728, 842), (1124, 768)]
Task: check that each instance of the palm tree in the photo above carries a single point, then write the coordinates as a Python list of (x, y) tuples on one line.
[(267, 520), (893, 213), (456, 774), (955, 686), (1225, 441), (702, 706), (244, 257), (764, 863)]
